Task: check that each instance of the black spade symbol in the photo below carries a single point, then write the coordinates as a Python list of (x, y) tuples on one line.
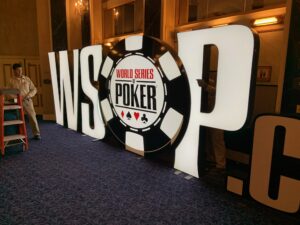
[(128, 115)]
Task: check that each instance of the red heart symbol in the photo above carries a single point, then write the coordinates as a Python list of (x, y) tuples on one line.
[(136, 115)]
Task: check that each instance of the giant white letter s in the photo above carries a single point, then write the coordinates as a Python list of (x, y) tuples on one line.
[(98, 129)]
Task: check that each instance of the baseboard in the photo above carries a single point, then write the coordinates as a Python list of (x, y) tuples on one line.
[(49, 117)]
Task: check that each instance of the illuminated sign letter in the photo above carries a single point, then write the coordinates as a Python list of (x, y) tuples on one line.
[(98, 129), (264, 157), (236, 49), (64, 92)]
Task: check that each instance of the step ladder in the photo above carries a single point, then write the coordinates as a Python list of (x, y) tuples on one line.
[(17, 108)]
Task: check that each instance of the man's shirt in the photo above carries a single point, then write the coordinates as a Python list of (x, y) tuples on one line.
[(24, 84)]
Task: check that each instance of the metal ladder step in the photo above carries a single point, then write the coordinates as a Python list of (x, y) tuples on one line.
[(11, 107), (14, 137), (12, 122), (21, 137)]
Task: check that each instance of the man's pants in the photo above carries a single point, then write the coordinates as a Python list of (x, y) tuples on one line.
[(29, 109), (216, 149)]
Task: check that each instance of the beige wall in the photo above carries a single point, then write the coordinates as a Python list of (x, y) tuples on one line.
[(26, 37), (270, 54), (18, 25)]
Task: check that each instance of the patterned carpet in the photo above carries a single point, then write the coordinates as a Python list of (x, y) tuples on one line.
[(68, 179)]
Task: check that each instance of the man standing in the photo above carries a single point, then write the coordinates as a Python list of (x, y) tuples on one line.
[(27, 91), (215, 143)]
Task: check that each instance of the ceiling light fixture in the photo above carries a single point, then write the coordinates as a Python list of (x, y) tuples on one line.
[(266, 21), (220, 25)]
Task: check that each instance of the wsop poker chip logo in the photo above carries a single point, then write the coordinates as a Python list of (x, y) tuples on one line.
[(137, 95), (144, 94)]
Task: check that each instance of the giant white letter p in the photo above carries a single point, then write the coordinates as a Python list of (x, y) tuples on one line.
[(236, 46)]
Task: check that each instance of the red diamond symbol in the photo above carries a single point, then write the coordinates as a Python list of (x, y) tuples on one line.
[(122, 114)]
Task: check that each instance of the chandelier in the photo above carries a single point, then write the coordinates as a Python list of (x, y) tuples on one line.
[(81, 6)]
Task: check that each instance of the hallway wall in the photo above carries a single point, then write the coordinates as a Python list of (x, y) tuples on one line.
[(18, 23)]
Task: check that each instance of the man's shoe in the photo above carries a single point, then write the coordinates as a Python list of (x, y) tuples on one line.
[(37, 137)]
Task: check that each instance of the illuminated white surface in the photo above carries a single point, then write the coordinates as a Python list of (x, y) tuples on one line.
[(65, 90), (106, 109), (134, 140), (133, 43), (171, 123), (169, 66), (98, 130), (236, 46), (108, 63), (289, 189)]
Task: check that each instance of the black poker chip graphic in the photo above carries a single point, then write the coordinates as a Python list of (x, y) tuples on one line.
[(144, 94)]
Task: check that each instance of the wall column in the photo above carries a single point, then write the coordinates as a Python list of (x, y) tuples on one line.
[(45, 46), (96, 21), (168, 13), (74, 32)]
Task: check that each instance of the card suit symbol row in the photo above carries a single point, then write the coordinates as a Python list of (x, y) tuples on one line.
[(129, 116)]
